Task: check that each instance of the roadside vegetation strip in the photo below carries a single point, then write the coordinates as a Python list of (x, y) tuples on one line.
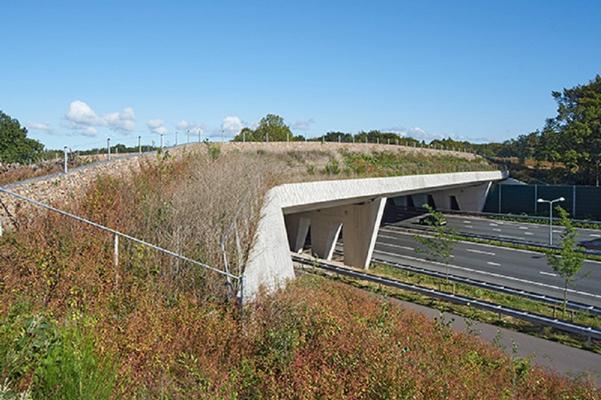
[(593, 225), (554, 329), (554, 301)]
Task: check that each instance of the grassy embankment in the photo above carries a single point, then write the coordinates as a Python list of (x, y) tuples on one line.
[(74, 327)]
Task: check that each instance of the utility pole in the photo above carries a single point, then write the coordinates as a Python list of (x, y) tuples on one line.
[(139, 144), (162, 141), (175, 138), (222, 136), (108, 149)]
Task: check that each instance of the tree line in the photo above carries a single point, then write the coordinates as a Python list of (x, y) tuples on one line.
[(570, 140)]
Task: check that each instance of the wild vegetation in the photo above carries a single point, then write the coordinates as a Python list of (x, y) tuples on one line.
[(75, 326)]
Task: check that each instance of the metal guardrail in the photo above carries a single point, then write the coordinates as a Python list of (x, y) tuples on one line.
[(588, 332), (576, 306)]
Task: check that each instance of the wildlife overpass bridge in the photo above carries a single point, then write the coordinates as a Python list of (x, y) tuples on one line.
[(351, 206)]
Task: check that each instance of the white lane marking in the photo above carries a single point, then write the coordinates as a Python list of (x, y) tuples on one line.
[(557, 231), (511, 278), (546, 273), (467, 222), (522, 227), (493, 263), (528, 233), (396, 245), (594, 235), (496, 230), (508, 249), (491, 224), (488, 253)]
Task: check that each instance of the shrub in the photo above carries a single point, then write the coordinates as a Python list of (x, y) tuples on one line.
[(53, 361)]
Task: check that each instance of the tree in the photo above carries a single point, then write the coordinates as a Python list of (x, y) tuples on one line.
[(438, 247), (15, 146), (569, 261), (578, 125), (271, 129)]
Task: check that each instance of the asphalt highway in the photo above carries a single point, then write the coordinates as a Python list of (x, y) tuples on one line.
[(536, 233), (518, 269)]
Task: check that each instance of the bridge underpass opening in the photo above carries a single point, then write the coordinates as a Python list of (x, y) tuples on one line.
[(358, 224)]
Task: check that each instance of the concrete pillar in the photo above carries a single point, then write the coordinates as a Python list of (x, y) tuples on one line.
[(297, 227), (361, 224), (324, 234)]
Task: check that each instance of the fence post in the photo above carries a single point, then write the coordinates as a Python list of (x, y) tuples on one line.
[(66, 160), (108, 149), (339, 140), (573, 201), (116, 257), (500, 187), (139, 144), (535, 199)]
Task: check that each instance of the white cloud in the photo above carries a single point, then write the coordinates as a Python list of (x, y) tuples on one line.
[(80, 113), (156, 126), (89, 131), (123, 121), (183, 125), (196, 129), (81, 117), (232, 125), (39, 126), (303, 125)]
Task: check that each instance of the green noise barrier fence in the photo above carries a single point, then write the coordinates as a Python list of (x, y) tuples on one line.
[(582, 202)]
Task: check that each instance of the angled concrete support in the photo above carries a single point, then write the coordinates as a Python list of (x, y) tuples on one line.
[(297, 227), (469, 198), (360, 230), (325, 231)]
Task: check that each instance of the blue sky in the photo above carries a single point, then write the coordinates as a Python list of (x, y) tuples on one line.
[(78, 72)]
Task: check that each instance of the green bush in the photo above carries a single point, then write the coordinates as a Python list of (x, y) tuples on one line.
[(214, 151), (332, 167), (55, 361)]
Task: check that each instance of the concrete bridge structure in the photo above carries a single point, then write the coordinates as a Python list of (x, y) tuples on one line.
[(353, 207)]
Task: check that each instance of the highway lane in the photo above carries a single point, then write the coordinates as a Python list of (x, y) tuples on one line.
[(511, 230), (515, 268)]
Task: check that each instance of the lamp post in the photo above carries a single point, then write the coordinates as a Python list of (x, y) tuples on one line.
[(550, 215)]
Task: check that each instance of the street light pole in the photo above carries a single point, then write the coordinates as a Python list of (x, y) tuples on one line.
[(550, 215)]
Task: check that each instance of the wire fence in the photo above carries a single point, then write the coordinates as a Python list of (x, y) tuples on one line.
[(117, 235)]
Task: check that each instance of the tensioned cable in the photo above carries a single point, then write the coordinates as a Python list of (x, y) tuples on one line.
[(115, 232)]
